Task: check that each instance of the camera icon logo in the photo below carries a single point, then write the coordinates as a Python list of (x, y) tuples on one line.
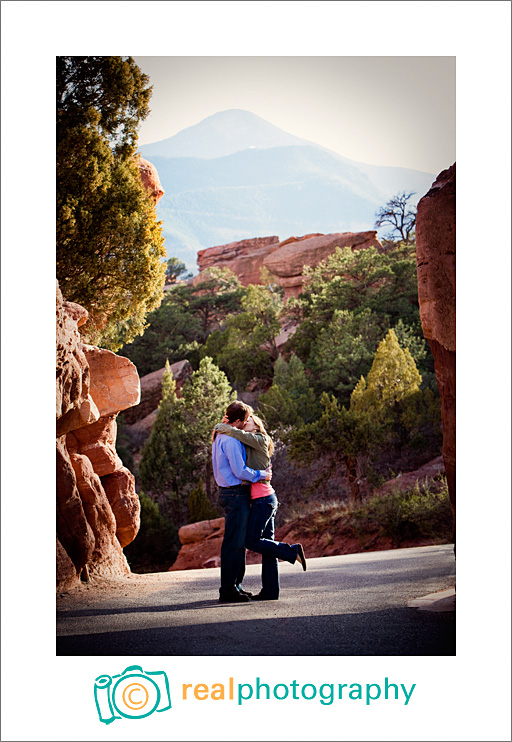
[(133, 694)]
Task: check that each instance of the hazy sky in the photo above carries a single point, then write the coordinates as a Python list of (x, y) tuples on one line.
[(380, 110)]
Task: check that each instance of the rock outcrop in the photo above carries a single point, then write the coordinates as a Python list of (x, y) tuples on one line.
[(285, 260), (97, 506), (435, 249), (288, 260), (244, 258), (150, 179), (201, 543)]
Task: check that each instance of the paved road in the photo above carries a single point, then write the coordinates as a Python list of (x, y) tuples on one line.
[(343, 605)]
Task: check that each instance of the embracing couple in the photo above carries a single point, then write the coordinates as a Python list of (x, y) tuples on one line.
[(241, 454)]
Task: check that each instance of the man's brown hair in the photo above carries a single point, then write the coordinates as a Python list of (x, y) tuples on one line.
[(238, 411)]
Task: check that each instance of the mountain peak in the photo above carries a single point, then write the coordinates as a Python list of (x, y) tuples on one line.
[(223, 133)]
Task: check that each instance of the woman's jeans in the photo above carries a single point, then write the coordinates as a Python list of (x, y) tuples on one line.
[(236, 502), (260, 538)]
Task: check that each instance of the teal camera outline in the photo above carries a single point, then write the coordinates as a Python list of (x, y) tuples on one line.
[(105, 693)]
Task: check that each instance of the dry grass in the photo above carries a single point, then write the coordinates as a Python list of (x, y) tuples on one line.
[(422, 511)]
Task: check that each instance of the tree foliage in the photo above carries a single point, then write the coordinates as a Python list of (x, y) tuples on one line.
[(199, 506), (349, 302), (178, 328), (340, 437), (392, 379), (178, 453), (344, 350), (167, 463), (156, 545), (245, 347), (400, 216), (218, 295), (109, 242), (290, 400), (172, 334), (205, 397), (387, 412), (175, 270)]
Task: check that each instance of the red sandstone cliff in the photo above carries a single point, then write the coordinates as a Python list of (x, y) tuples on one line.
[(97, 506), (435, 250), (244, 258), (285, 260), (288, 260)]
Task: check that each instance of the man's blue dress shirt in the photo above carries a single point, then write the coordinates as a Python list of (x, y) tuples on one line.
[(228, 458)]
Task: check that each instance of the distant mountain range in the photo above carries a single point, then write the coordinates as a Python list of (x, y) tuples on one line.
[(235, 176)]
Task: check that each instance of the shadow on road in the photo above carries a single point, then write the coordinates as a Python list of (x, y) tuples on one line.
[(370, 577), (197, 605), (396, 632)]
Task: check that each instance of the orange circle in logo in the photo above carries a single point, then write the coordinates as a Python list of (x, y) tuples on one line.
[(135, 687)]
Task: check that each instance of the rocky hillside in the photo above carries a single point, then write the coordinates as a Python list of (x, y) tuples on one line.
[(284, 259)]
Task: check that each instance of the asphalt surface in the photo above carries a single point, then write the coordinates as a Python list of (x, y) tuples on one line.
[(343, 605)]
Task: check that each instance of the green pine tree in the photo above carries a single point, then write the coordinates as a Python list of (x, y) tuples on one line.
[(387, 412), (109, 243), (348, 303), (245, 347), (166, 465), (290, 400), (199, 506), (205, 398), (392, 378)]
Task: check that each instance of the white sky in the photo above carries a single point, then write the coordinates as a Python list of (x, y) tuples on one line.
[(379, 110)]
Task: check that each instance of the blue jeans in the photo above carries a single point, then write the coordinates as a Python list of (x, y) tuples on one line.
[(236, 502), (260, 538)]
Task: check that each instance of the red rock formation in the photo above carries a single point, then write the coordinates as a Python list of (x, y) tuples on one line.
[(285, 260), (124, 501), (73, 530), (150, 179), (76, 312), (98, 443), (66, 570), (201, 531), (288, 260), (75, 406), (435, 250), (115, 384), (407, 480), (244, 258), (106, 557), (201, 544), (97, 506)]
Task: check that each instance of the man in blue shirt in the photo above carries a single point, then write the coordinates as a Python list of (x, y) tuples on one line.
[(230, 470)]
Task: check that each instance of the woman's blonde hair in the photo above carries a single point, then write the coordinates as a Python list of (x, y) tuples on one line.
[(261, 427)]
